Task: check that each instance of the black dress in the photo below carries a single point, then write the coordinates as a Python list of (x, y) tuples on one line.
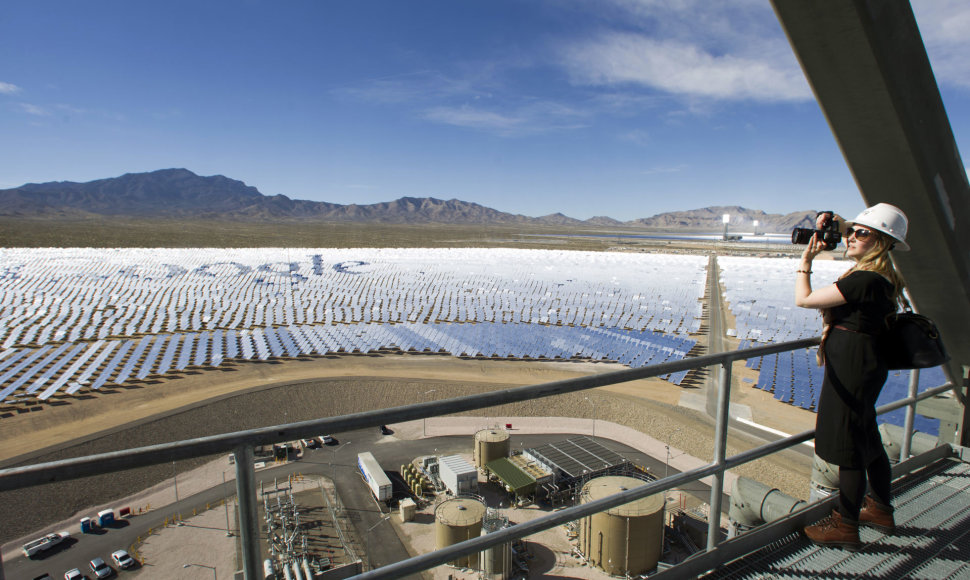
[(846, 433)]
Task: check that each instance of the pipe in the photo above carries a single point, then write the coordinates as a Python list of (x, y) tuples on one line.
[(754, 503), (824, 474), (892, 440), (269, 571), (306, 570)]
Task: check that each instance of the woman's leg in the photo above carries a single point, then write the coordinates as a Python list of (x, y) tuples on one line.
[(842, 528), (852, 490), (880, 474), (877, 512)]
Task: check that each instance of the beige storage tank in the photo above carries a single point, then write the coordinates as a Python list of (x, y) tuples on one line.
[(626, 540), (491, 444), (457, 520)]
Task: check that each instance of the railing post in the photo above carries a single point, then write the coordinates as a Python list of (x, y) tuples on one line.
[(904, 447), (248, 524), (720, 451)]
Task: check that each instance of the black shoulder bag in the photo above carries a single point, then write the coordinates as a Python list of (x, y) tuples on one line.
[(913, 341)]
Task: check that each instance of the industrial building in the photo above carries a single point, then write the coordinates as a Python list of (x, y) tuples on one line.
[(457, 475), (556, 471)]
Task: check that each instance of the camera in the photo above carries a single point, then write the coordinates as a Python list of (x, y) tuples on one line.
[(829, 232)]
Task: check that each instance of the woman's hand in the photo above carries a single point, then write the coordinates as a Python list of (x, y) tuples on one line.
[(825, 297), (823, 219), (814, 248)]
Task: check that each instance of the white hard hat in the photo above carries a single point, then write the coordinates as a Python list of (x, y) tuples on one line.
[(887, 219)]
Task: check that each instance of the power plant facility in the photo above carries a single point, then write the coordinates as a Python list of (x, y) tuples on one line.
[(468, 501)]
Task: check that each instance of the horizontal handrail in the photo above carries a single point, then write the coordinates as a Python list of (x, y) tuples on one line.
[(67, 469), (907, 401)]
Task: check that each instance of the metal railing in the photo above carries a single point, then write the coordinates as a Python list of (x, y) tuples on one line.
[(242, 443)]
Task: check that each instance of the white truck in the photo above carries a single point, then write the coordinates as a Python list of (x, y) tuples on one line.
[(375, 477), (39, 545)]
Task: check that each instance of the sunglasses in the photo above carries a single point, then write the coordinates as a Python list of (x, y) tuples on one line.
[(858, 233)]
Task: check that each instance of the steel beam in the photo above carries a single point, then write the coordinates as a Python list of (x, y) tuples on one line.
[(872, 78)]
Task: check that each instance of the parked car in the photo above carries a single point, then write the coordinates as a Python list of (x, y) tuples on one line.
[(40, 545), (123, 559), (73, 574), (310, 443), (385, 430), (100, 569), (327, 439)]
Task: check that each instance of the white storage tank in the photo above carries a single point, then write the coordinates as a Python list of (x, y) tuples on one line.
[(457, 475)]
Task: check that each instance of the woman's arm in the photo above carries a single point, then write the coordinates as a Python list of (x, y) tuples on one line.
[(825, 297), (805, 297)]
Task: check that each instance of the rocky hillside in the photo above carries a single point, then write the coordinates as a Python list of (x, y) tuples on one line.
[(180, 193)]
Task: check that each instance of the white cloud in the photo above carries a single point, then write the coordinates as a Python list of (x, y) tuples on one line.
[(638, 136), (666, 169), (531, 118), (473, 118), (683, 69), (8, 89), (34, 110), (407, 88), (726, 50), (945, 28)]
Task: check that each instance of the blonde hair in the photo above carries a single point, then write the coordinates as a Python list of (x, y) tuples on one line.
[(878, 260)]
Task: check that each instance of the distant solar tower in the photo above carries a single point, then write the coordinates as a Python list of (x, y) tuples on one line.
[(726, 218)]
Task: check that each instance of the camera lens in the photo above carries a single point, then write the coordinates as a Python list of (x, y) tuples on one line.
[(801, 235)]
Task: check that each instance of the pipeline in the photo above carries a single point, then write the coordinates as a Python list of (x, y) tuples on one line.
[(754, 503)]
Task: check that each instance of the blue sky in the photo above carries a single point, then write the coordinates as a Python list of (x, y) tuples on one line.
[(621, 108)]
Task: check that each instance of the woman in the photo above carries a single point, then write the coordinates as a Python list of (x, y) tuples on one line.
[(854, 311)]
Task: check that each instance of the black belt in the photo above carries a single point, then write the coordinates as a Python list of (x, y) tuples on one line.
[(840, 327)]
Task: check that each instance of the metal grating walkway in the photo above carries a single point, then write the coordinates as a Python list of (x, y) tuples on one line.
[(932, 539)]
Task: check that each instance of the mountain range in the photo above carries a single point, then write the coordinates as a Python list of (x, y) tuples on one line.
[(181, 194)]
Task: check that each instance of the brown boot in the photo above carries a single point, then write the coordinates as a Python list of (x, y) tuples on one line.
[(835, 531), (877, 515)]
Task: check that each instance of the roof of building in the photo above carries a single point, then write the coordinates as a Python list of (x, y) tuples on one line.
[(456, 464), (510, 474), (577, 456)]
